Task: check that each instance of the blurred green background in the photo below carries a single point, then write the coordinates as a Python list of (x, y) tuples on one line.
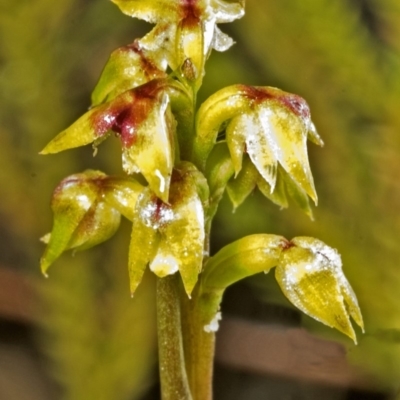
[(342, 56)]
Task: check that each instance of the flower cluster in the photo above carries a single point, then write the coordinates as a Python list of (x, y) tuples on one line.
[(241, 137)]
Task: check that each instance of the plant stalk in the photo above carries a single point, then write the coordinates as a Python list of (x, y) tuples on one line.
[(199, 344), (173, 378)]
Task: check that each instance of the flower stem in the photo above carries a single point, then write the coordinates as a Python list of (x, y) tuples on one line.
[(174, 382), (199, 345)]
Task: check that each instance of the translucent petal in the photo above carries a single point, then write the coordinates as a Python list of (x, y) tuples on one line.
[(152, 11), (278, 196), (184, 234), (310, 275), (227, 11), (261, 147), (221, 41), (287, 137), (127, 67), (151, 150), (313, 135), (144, 239), (164, 263)]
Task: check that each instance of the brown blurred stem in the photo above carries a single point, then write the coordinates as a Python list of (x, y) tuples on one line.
[(174, 382)]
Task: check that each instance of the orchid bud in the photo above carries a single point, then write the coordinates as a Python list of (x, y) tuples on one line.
[(87, 208), (310, 275)]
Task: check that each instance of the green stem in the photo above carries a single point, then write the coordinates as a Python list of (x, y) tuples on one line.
[(199, 345), (174, 382)]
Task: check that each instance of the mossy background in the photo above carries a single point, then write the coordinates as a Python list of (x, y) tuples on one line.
[(342, 56)]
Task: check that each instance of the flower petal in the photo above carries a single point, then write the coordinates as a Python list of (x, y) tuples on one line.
[(151, 150), (286, 134), (128, 67), (227, 11), (218, 108), (243, 184), (184, 234), (221, 41), (152, 11), (122, 194), (144, 238), (310, 275), (75, 219)]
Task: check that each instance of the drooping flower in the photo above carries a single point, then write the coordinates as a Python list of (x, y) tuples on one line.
[(268, 124), (186, 30), (170, 237), (310, 275), (143, 121), (87, 208)]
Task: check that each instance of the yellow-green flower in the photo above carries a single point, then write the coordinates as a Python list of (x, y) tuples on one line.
[(186, 29), (170, 236), (268, 124), (143, 121), (87, 208), (310, 275)]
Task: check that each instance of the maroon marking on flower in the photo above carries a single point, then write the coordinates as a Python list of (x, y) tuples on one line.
[(257, 94), (287, 244), (294, 103), (105, 116), (124, 114), (190, 13), (150, 69)]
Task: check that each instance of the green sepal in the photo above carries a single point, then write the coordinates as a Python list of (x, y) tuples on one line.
[(279, 195), (143, 120), (240, 187), (144, 240), (149, 10), (241, 259), (81, 220), (122, 194), (219, 170), (248, 179), (170, 236), (98, 225), (296, 193), (184, 235), (311, 277), (128, 67), (218, 108)]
